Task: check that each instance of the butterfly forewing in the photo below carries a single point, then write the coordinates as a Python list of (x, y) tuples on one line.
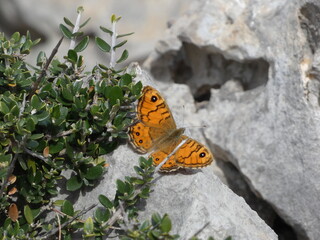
[(153, 111)]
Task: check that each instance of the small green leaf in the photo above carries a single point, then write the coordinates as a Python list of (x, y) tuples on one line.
[(155, 219), (67, 208), (124, 35), (28, 214), (36, 136), (105, 47), (68, 22), (125, 80), (105, 201), (4, 108), (144, 226), (121, 186), (115, 94), (65, 31), (42, 116), (101, 215), (41, 58), (82, 44), (165, 225), (35, 102), (67, 94), (94, 172), (88, 226), (56, 147), (85, 23), (136, 89), (120, 44), (58, 203), (72, 55), (106, 30), (74, 184), (124, 56)]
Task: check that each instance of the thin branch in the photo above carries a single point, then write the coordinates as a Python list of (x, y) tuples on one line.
[(63, 214), (10, 170), (54, 231), (59, 226), (113, 43), (36, 155), (167, 158), (44, 70), (23, 105), (75, 29), (201, 229)]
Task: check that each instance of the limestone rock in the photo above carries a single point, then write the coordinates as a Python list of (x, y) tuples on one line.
[(256, 65)]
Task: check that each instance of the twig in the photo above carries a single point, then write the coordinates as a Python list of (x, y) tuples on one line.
[(59, 226), (167, 158), (201, 229), (54, 231), (75, 29), (45, 68), (63, 214), (124, 215), (10, 170), (113, 43), (36, 155), (12, 165), (23, 105)]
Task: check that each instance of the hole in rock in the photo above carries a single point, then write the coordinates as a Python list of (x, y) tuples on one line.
[(202, 69), (309, 18), (238, 183)]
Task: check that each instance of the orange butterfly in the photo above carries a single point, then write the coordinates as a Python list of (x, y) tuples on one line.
[(156, 132)]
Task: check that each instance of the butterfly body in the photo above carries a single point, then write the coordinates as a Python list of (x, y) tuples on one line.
[(156, 131)]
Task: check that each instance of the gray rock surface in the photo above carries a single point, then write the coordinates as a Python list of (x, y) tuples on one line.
[(257, 64)]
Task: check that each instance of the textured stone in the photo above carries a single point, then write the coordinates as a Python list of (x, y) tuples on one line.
[(256, 62)]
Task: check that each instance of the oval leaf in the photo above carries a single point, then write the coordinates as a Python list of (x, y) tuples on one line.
[(94, 173), (65, 31), (72, 56), (88, 226), (105, 47), (106, 30), (74, 184), (28, 214), (82, 44), (165, 225), (68, 22), (120, 44), (124, 56), (67, 208), (105, 201)]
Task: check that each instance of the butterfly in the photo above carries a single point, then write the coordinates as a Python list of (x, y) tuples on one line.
[(155, 131)]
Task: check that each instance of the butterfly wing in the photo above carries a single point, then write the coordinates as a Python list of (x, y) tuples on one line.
[(191, 154), (153, 111), (155, 121)]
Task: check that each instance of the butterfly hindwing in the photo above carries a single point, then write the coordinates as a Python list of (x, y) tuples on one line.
[(193, 154), (140, 137)]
